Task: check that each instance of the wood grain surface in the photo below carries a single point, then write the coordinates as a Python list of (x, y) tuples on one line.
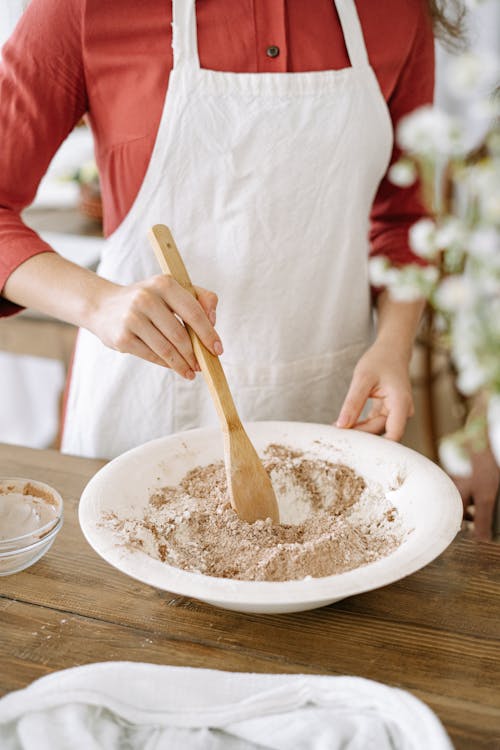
[(435, 633)]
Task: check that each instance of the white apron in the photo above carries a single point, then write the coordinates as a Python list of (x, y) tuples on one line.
[(266, 181)]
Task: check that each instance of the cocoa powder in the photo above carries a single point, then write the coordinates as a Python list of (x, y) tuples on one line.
[(331, 522)]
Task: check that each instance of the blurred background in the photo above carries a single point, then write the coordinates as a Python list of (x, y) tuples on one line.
[(35, 352)]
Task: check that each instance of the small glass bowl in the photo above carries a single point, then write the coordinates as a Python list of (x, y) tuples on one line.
[(31, 515)]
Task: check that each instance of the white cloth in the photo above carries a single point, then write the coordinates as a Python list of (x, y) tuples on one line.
[(267, 181), (30, 392), (31, 387), (125, 705)]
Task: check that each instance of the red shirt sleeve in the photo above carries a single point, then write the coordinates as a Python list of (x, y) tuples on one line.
[(42, 91), (395, 209)]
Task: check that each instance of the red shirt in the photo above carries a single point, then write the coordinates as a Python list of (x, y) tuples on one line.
[(111, 59)]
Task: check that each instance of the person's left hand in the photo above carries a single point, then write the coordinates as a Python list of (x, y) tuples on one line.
[(380, 375)]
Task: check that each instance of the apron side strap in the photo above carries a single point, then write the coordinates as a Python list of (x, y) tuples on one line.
[(184, 34), (353, 33)]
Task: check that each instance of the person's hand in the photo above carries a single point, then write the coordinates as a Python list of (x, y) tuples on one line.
[(382, 376), (480, 491), (141, 319)]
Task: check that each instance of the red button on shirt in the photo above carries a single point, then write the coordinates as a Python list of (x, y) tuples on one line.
[(112, 60)]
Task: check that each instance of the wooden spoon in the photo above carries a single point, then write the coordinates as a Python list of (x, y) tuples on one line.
[(250, 489)]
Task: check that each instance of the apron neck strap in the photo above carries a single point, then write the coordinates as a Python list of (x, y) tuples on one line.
[(184, 34), (353, 34)]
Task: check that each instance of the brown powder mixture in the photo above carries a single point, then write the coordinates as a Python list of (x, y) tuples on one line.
[(330, 522)]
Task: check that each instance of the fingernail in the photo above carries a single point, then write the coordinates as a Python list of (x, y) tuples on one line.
[(218, 347), (211, 317), (190, 375), (342, 421)]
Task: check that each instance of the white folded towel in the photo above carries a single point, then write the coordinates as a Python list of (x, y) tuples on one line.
[(129, 706)]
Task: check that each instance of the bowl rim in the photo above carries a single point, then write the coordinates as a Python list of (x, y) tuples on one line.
[(49, 537), (43, 531)]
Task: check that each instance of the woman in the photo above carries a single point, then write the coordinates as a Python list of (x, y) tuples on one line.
[(272, 179)]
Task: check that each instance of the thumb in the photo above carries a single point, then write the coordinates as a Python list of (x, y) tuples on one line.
[(208, 300), (357, 395)]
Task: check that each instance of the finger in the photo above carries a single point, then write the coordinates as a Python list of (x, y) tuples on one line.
[(358, 392), (374, 425), (172, 329), (161, 347), (397, 414), (189, 309), (148, 308), (208, 300), (139, 349)]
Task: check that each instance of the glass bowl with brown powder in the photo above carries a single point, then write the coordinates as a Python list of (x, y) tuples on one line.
[(31, 516), (356, 512)]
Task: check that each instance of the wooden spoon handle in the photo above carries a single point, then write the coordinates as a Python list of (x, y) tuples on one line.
[(172, 264)]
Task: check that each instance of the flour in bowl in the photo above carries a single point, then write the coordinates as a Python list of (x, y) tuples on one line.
[(331, 522)]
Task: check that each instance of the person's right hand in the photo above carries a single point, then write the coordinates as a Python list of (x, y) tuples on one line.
[(141, 319)]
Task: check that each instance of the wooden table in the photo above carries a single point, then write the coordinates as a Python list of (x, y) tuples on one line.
[(435, 633)]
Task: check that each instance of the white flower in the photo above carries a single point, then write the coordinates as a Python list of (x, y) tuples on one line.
[(467, 332), (455, 293), (491, 207), (493, 138), (413, 282), (429, 275), (451, 233), (471, 72), (488, 292), (487, 107), (380, 272), (431, 132), (454, 458), (493, 416), (402, 173), (440, 323), (422, 238), (482, 183), (471, 379), (406, 291), (464, 338), (484, 243)]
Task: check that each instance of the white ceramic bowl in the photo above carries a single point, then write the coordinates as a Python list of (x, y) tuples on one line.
[(427, 501), (31, 515)]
